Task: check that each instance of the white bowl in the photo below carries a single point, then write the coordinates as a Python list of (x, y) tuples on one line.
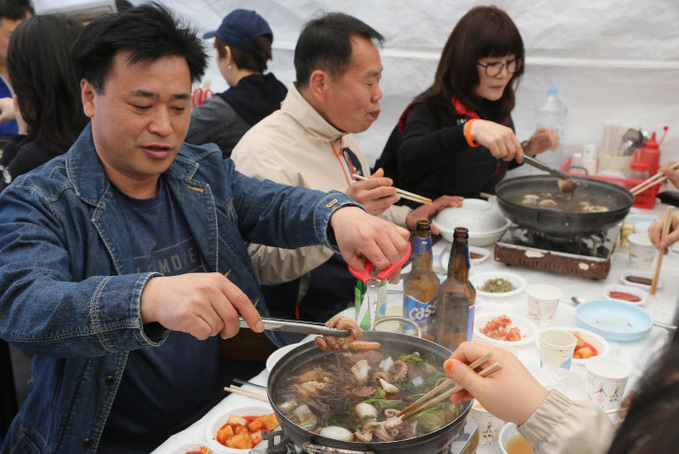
[(506, 433), (636, 291), (598, 342), (217, 421), (528, 329), (280, 353), (485, 222), (478, 280)]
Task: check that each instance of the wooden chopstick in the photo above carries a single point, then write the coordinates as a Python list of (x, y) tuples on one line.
[(650, 182), (661, 252), (487, 371), (243, 392), (444, 385), (401, 192)]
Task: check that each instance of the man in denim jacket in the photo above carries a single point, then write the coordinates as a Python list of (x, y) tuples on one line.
[(112, 256)]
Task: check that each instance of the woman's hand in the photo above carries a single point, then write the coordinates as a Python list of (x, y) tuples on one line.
[(511, 393), (655, 232), (429, 211), (499, 139), (543, 139)]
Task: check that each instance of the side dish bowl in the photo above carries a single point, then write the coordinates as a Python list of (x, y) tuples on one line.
[(479, 281)]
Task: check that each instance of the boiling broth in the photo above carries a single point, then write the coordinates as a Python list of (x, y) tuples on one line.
[(518, 445), (324, 392)]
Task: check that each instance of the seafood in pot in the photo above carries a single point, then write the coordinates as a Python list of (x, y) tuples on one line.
[(333, 343), (360, 394), (566, 202)]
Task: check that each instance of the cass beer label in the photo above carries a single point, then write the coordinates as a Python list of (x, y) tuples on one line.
[(421, 245), (418, 312)]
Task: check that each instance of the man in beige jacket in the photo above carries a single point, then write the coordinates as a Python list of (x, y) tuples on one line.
[(309, 143)]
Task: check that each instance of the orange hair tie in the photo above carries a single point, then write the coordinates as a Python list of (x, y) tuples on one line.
[(468, 133)]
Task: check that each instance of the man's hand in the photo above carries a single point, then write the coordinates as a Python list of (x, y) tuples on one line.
[(429, 211), (499, 139), (7, 109), (201, 304), (543, 139), (361, 236), (376, 193), (655, 232), (672, 175)]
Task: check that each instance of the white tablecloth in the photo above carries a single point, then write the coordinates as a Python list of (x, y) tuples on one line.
[(661, 306)]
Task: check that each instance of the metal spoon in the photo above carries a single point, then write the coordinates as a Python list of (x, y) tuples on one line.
[(566, 183)]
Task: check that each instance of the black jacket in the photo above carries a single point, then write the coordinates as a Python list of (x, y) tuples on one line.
[(19, 156)]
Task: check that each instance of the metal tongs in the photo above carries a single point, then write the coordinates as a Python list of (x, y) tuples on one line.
[(372, 278), (566, 183), (294, 326)]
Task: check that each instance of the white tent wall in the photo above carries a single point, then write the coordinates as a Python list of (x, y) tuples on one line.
[(612, 61)]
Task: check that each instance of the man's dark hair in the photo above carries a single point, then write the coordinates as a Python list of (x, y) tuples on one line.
[(325, 43), (41, 73), (15, 9), (149, 32)]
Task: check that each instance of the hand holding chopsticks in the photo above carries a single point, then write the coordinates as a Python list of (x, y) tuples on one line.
[(445, 389), (401, 192), (654, 180)]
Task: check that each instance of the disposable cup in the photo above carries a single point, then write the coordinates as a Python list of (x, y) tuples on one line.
[(557, 347), (543, 300), (489, 425), (641, 251), (606, 381)]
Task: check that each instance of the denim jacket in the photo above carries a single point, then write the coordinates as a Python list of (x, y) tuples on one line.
[(69, 293)]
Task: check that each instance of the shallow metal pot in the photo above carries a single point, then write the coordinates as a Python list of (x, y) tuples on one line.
[(432, 442)]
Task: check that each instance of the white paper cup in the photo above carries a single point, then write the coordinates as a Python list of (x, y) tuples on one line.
[(606, 381), (542, 303), (641, 251), (557, 347), (489, 425)]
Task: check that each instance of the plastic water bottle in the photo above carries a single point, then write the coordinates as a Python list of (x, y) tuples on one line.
[(552, 114)]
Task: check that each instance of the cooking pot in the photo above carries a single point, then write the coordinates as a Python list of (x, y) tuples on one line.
[(432, 442), (559, 223)]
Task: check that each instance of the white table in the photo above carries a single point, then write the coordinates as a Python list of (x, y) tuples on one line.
[(662, 307)]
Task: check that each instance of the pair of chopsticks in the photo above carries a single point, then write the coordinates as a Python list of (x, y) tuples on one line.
[(431, 398), (659, 255), (243, 392), (655, 179), (401, 192)]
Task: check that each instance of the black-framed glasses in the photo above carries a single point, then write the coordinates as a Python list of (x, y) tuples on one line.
[(495, 69)]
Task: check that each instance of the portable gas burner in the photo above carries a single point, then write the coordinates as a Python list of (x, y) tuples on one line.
[(585, 256), (466, 442)]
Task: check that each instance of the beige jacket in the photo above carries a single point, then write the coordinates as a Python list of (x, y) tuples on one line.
[(561, 426), (296, 146)]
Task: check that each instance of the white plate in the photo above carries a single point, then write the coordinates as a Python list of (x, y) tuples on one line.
[(278, 354), (478, 280), (598, 342), (217, 421), (640, 273), (190, 447), (528, 329), (636, 291), (484, 253)]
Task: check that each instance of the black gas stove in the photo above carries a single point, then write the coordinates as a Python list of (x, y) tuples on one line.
[(465, 443), (580, 255)]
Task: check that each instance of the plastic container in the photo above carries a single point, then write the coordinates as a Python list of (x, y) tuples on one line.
[(638, 170), (651, 155), (552, 114)]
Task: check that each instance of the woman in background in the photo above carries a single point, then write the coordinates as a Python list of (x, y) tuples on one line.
[(457, 138), (243, 43), (47, 95)]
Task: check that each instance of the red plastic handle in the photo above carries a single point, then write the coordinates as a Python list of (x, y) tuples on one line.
[(366, 274)]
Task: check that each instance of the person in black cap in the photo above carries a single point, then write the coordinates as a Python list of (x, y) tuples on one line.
[(243, 44)]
